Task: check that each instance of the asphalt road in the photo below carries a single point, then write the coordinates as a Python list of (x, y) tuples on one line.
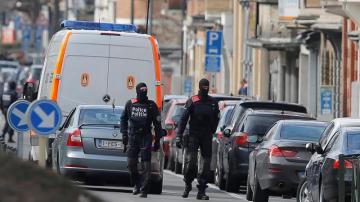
[(172, 190)]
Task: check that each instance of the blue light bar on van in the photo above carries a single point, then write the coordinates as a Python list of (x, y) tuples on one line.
[(85, 25)]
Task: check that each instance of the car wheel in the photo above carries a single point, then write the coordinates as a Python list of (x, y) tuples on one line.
[(302, 194), (178, 166), (249, 192), (156, 187), (259, 195), (219, 173)]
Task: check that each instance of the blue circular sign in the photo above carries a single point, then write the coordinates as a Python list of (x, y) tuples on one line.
[(44, 117), (16, 115)]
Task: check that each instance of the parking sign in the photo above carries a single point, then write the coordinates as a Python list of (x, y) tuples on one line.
[(213, 42), (213, 51)]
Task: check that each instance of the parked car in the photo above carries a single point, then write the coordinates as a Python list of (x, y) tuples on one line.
[(341, 136), (277, 164), (236, 116), (171, 119), (89, 144), (179, 153), (225, 108), (234, 148)]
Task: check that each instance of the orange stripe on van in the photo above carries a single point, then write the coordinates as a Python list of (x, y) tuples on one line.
[(157, 71), (58, 67)]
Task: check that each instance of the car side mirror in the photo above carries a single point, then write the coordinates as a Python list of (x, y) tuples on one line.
[(313, 147), (310, 147), (227, 132)]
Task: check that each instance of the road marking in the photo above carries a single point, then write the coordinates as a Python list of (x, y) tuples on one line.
[(21, 116), (237, 196), (48, 121)]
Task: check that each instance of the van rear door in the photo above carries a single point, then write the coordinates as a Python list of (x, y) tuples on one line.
[(130, 63), (85, 71)]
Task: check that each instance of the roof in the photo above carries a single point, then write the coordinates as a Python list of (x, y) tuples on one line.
[(274, 105), (277, 112), (131, 34), (170, 97), (36, 66), (292, 121), (178, 101), (345, 122)]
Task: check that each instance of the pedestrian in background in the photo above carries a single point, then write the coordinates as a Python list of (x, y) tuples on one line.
[(8, 97), (141, 113), (243, 87), (203, 112)]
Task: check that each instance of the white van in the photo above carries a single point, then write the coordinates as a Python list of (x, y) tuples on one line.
[(98, 63)]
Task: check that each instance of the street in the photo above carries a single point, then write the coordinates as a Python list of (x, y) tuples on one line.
[(172, 190)]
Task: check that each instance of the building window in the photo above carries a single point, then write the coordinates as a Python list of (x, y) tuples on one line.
[(312, 3)]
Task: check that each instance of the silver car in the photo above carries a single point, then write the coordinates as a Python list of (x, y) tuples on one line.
[(89, 145)]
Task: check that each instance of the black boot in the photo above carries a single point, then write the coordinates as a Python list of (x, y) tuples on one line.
[(201, 193), (187, 190), (136, 190), (143, 194)]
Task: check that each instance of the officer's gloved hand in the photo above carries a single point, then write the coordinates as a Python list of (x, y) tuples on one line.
[(179, 142), (156, 145)]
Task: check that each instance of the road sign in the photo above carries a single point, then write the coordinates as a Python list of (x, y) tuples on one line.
[(213, 42), (326, 97), (188, 86), (213, 51), (44, 117), (16, 115), (212, 63)]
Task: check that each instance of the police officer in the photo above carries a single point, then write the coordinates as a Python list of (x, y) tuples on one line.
[(141, 113), (203, 112), (9, 97)]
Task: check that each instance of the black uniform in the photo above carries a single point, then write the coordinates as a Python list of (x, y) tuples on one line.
[(141, 113), (8, 98), (203, 112)]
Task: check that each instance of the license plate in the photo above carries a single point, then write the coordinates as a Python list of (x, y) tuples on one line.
[(109, 144)]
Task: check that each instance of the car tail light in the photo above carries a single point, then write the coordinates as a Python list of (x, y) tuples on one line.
[(219, 135), (240, 139), (74, 139), (336, 164), (275, 151)]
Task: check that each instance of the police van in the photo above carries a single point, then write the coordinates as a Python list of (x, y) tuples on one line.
[(98, 64)]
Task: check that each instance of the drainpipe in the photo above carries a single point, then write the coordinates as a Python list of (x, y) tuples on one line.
[(346, 79)]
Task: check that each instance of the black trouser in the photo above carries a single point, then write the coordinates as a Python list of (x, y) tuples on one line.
[(192, 143), (140, 143), (7, 129)]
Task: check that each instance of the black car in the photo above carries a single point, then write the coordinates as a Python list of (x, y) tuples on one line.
[(342, 136), (278, 163), (234, 148)]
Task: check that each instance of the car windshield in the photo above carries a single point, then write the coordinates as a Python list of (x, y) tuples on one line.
[(100, 116), (302, 132), (353, 142), (35, 73), (177, 112)]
